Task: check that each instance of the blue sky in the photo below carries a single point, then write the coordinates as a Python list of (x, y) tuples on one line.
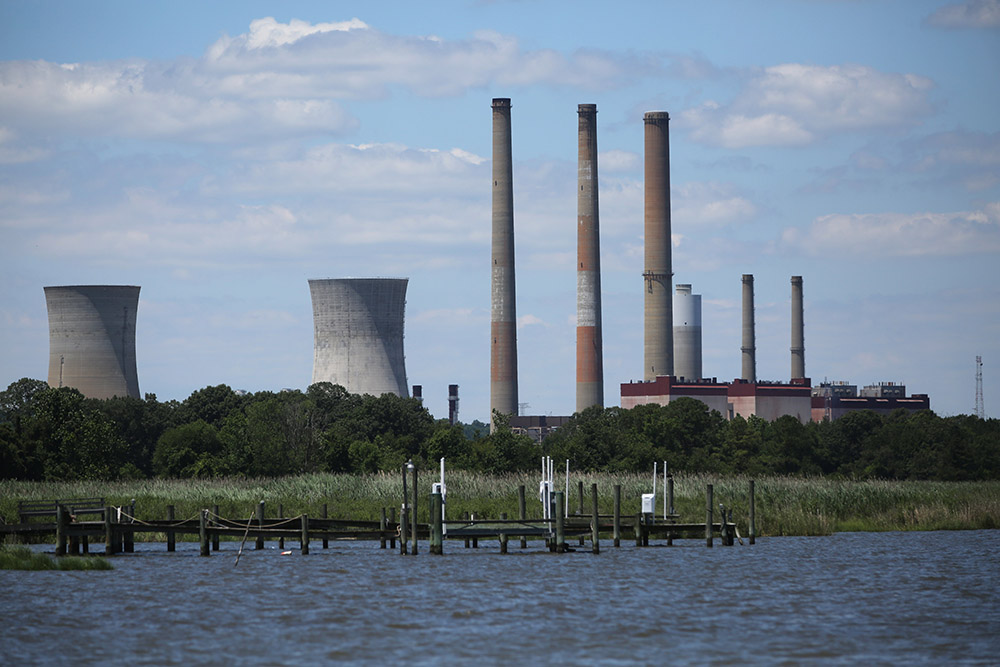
[(221, 154)]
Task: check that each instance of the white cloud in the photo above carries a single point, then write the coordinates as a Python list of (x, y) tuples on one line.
[(617, 161), (971, 14), (795, 104), (529, 320), (696, 203), (900, 235)]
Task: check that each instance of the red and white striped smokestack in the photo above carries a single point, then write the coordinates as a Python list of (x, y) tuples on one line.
[(798, 331), (658, 275), (589, 348), (749, 349), (503, 316)]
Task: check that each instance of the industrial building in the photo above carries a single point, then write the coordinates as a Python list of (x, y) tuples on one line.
[(358, 334), (831, 400), (92, 339)]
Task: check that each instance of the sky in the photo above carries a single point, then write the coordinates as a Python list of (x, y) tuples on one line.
[(222, 154)]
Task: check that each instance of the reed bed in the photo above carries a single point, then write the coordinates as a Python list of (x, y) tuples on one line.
[(784, 505), (23, 558)]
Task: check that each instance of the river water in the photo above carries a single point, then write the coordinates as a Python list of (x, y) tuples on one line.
[(877, 598)]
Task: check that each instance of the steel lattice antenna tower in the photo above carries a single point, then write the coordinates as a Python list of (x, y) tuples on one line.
[(980, 410)]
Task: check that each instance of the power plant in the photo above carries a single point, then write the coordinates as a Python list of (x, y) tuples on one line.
[(589, 345), (92, 339), (358, 334), (503, 313), (658, 344)]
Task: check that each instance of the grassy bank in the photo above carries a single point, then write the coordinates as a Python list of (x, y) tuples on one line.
[(784, 506), (23, 558)]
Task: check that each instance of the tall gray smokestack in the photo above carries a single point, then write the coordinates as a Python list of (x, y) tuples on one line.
[(503, 317), (749, 349), (658, 277), (687, 333), (589, 348), (798, 331)]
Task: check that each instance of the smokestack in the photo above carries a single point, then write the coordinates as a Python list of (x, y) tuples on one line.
[(687, 333), (658, 276), (798, 331), (589, 347), (452, 404), (749, 349), (503, 318), (418, 393)]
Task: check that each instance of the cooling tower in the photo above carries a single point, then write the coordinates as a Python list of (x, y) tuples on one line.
[(503, 315), (798, 331), (589, 348), (749, 349), (687, 333), (92, 339), (658, 341), (358, 334)]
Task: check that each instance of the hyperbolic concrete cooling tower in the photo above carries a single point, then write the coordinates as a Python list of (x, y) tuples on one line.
[(589, 347), (748, 351), (658, 276), (687, 333), (798, 331), (503, 317), (358, 334), (92, 339)]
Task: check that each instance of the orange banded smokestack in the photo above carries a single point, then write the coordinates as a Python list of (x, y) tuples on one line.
[(658, 323), (589, 346), (503, 314)]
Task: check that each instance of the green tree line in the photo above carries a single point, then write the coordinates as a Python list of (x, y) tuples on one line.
[(58, 434)]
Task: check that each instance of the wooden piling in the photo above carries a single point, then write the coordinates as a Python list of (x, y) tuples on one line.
[(465, 517), (413, 511), (403, 530), (62, 524), (281, 516), (560, 521), (753, 525), (109, 531), (260, 524), (475, 540), (522, 514), (171, 536), (595, 525), (579, 511), (437, 535), (670, 508), (128, 535), (503, 536), (215, 522), (617, 522), (326, 541), (381, 529), (85, 544), (638, 529), (203, 531), (392, 522), (304, 540), (708, 516)]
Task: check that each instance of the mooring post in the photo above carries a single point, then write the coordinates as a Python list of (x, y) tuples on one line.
[(260, 524), (128, 535), (171, 537), (281, 516), (475, 540), (465, 517), (403, 531), (708, 516), (753, 525), (638, 529), (203, 532), (304, 540), (617, 524), (392, 522), (215, 522), (521, 513), (560, 521), (595, 538), (381, 530), (437, 537), (579, 488), (670, 509), (109, 531), (326, 540), (413, 511), (503, 535), (61, 515)]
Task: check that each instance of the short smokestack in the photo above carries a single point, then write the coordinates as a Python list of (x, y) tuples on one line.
[(452, 404), (749, 349), (418, 393), (658, 341), (687, 333), (798, 331), (503, 317), (589, 347)]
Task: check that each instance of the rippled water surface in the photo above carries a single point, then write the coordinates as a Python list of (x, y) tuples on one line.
[(891, 598)]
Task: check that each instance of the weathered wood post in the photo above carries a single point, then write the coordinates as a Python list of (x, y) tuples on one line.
[(61, 525), (753, 525), (128, 535), (708, 516), (503, 535), (392, 522), (475, 540), (617, 521), (579, 511), (403, 530), (413, 511), (437, 536), (215, 522), (203, 531), (326, 540), (670, 509), (109, 531), (596, 527), (304, 540), (381, 530), (281, 516), (171, 535), (560, 521), (465, 517), (522, 513), (260, 524), (638, 529)]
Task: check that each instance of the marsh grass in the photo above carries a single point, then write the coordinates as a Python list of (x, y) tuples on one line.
[(784, 505), (23, 558)]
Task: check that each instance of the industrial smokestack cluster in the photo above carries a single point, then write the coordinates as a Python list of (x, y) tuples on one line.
[(687, 333), (92, 339), (748, 352), (589, 346), (658, 341), (503, 314)]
